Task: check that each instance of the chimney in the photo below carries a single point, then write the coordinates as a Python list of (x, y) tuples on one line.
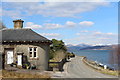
[(18, 24)]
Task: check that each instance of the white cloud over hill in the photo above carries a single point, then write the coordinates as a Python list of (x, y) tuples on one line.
[(55, 9)]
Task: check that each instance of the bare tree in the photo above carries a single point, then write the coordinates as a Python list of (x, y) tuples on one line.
[(2, 25)]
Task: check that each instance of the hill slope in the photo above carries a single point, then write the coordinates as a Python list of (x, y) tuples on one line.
[(72, 48)]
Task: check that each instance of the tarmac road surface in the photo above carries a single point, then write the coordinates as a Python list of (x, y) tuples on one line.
[(77, 69)]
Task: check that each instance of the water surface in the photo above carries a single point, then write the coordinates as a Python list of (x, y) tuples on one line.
[(100, 56)]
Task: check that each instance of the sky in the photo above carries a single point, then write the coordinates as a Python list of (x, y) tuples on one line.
[(73, 22)]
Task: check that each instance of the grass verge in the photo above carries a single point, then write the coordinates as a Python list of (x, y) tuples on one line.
[(109, 72), (12, 74)]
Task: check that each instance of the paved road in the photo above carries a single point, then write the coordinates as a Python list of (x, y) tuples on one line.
[(77, 69)]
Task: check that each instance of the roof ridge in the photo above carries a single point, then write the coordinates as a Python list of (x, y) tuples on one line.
[(16, 29)]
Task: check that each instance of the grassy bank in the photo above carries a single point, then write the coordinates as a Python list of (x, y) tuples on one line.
[(12, 74), (109, 72)]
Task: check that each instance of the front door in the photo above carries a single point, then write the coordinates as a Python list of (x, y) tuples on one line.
[(9, 57), (20, 60)]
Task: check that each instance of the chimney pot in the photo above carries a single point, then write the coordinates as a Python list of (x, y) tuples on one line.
[(18, 24)]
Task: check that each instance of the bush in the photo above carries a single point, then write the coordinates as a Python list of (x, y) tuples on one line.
[(57, 45), (26, 65), (70, 55)]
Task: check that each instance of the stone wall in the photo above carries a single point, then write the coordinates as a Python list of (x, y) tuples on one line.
[(42, 52)]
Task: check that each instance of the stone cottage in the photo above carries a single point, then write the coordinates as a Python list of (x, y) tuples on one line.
[(21, 45)]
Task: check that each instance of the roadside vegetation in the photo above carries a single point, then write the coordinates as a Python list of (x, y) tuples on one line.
[(70, 55), (57, 49), (58, 52), (12, 74), (109, 72)]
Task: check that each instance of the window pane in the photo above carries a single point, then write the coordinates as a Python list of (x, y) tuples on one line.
[(30, 49), (34, 54), (35, 49), (30, 54)]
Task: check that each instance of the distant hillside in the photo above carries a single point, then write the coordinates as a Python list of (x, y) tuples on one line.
[(72, 48), (97, 48)]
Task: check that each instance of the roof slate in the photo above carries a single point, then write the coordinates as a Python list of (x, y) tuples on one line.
[(21, 35)]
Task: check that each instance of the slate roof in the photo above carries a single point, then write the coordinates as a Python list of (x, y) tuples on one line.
[(14, 35)]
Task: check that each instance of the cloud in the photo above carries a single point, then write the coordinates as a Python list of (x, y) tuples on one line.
[(60, 0), (55, 9), (32, 25), (70, 24), (85, 31), (81, 0), (67, 23), (43, 26), (86, 23), (77, 33), (21, 0), (98, 33), (52, 26), (104, 38), (110, 34), (82, 24), (13, 14), (95, 37), (0, 10), (50, 34)]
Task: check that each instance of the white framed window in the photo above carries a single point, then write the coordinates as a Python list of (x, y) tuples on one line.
[(33, 52)]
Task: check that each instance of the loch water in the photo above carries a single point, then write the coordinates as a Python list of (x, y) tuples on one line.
[(100, 56)]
